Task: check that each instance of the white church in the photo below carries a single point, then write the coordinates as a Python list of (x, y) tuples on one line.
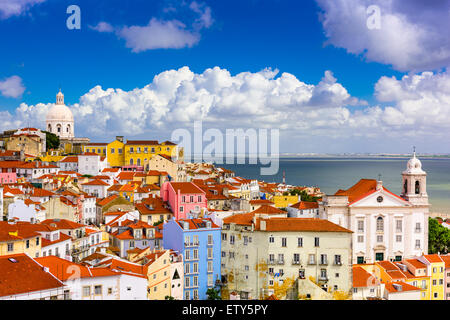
[(60, 121), (385, 226)]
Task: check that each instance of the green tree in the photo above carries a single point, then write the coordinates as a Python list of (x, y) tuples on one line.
[(52, 140), (438, 237), (213, 294), (169, 298)]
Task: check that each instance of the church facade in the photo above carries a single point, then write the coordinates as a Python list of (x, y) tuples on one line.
[(385, 226)]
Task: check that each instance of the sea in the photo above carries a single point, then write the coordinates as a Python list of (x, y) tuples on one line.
[(333, 173)]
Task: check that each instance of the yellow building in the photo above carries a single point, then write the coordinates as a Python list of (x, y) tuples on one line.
[(139, 152), (281, 201), (19, 239), (115, 154), (133, 152), (31, 144), (98, 148), (52, 156), (436, 269), (426, 273), (158, 264)]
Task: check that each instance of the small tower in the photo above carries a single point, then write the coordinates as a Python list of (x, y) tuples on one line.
[(60, 98), (414, 182)]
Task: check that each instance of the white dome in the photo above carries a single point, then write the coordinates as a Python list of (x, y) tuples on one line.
[(414, 166), (59, 112)]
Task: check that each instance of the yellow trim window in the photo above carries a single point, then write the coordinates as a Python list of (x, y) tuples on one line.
[(86, 291)]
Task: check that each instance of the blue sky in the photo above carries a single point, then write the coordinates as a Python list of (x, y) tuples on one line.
[(241, 36)]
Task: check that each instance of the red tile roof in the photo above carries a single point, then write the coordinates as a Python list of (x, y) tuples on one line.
[(363, 279), (21, 274)]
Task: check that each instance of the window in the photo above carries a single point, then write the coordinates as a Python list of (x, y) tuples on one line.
[(187, 282), (195, 253), (418, 228), (323, 259), (300, 242), (360, 239), (379, 238), (199, 198), (280, 258), (210, 253), (110, 290), (210, 266), (360, 225), (112, 150), (224, 236), (86, 291), (312, 259), (10, 247), (398, 238), (210, 239), (316, 241), (271, 258), (195, 281), (284, 242), (98, 290), (245, 240), (380, 224), (187, 269), (398, 225), (231, 239), (187, 254), (337, 259), (417, 244), (296, 258), (27, 244), (271, 239)]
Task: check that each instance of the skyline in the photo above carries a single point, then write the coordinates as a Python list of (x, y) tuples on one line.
[(334, 87)]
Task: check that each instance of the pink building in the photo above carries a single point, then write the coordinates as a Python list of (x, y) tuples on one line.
[(8, 177), (184, 198)]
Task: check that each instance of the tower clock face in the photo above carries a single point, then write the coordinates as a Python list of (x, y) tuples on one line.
[(380, 199)]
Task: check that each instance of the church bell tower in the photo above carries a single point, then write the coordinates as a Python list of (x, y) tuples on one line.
[(414, 182)]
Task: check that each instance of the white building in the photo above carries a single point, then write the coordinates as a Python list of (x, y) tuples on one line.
[(26, 210), (96, 188), (97, 283), (59, 119), (385, 226)]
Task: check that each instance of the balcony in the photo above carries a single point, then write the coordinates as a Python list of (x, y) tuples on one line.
[(280, 261), (311, 263), (323, 263), (323, 278), (272, 262), (295, 262), (337, 263), (418, 230), (191, 244)]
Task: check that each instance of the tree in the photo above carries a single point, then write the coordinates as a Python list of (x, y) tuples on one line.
[(52, 140), (438, 237), (169, 298), (213, 294)]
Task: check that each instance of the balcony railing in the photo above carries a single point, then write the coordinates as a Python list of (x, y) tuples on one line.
[(280, 261), (337, 263), (295, 261), (271, 262)]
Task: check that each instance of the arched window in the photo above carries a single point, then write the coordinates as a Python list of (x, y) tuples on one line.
[(417, 187), (58, 128), (405, 187), (68, 128), (380, 224), (131, 161), (138, 162), (49, 127)]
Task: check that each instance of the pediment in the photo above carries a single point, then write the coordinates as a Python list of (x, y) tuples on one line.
[(388, 200)]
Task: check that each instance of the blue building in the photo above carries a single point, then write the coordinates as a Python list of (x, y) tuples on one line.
[(199, 241)]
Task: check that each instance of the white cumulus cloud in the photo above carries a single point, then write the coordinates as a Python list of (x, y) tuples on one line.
[(413, 35), (12, 87), (9, 8)]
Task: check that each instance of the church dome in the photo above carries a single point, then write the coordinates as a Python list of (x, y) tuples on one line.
[(414, 166), (59, 113)]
